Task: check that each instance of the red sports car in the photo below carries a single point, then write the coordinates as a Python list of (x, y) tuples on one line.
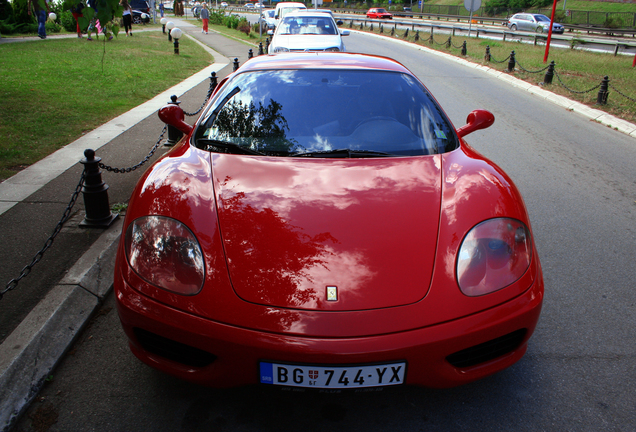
[(323, 225), (379, 13)]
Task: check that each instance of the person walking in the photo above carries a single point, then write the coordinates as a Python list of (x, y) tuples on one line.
[(161, 8), (127, 17), (205, 17), (77, 14), (40, 13)]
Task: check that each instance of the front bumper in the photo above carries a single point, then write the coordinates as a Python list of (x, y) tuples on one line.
[(220, 355)]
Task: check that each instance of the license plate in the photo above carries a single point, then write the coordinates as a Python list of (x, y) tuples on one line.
[(333, 377)]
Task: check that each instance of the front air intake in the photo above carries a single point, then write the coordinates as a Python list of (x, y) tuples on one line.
[(173, 350), (488, 350)]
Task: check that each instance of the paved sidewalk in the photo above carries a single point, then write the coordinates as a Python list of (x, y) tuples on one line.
[(40, 318)]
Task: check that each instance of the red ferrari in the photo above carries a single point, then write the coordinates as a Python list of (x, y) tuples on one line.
[(379, 13), (323, 225)]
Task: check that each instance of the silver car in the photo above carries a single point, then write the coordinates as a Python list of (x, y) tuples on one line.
[(307, 31), (533, 23)]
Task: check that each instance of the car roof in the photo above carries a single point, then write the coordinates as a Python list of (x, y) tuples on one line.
[(306, 13), (322, 60)]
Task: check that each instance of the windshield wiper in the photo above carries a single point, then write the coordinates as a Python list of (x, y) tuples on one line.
[(227, 147), (343, 153)]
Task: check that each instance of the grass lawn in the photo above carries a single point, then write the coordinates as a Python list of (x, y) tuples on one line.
[(53, 91)]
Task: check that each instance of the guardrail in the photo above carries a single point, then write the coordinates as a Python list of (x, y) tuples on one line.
[(502, 34)]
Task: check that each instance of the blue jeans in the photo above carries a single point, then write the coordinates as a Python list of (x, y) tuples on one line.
[(41, 21)]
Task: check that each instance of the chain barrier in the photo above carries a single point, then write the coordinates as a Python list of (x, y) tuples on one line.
[(207, 98), (453, 45), (432, 39), (529, 71), (619, 92), (13, 283), (132, 168), (571, 90), (497, 61)]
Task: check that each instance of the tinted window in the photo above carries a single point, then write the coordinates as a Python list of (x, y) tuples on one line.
[(285, 112)]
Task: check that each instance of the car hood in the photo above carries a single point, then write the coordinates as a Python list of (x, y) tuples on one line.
[(307, 42), (296, 229)]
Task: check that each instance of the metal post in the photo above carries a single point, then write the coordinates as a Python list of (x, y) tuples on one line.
[(260, 48), (95, 192), (464, 48), (487, 56), (174, 134), (236, 65), (406, 34), (250, 54), (511, 62), (176, 46), (603, 92), (549, 74)]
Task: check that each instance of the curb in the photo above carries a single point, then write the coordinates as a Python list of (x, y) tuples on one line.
[(41, 340)]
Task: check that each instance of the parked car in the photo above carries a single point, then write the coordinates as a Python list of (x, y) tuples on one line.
[(283, 8), (223, 4), (534, 23), (249, 5), (140, 5), (268, 22), (139, 17), (323, 225), (307, 31), (379, 13)]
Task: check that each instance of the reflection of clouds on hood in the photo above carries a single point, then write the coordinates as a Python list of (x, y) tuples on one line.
[(346, 270), (284, 184)]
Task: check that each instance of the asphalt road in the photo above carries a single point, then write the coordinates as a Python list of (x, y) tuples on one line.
[(578, 179)]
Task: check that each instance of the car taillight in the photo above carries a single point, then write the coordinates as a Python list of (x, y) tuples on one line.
[(493, 255), (165, 253)]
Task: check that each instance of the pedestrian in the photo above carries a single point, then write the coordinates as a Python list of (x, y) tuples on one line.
[(127, 17), (40, 13), (161, 7), (77, 14), (205, 17)]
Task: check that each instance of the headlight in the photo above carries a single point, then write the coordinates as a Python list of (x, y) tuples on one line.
[(281, 49), (493, 255), (165, 253)]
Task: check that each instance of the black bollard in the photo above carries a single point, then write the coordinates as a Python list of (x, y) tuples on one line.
[(236, 64), (174, 134), (213, 82), (549, 74), (487, 56), (417, 35), (511, 62), (406, 34), (260, 48), (464, 50), (95, 192), (176, 46), (250, 54), (603, 92)]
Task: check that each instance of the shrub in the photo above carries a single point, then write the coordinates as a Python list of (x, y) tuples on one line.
[(243, 26), (231, 21), (52, 27), (68, 22)]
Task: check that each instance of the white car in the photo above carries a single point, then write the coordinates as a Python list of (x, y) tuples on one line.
[(223, 4), (268, 22), (307, 31)]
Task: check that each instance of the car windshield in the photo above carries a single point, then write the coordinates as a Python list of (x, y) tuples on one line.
[(542, 18), (322, 112), (380, 10), (310, 25)]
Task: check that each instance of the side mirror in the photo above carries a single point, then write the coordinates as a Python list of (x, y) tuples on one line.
[(339, 22), (173, 115), (344, 33), (270, 32), (476, 120)]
